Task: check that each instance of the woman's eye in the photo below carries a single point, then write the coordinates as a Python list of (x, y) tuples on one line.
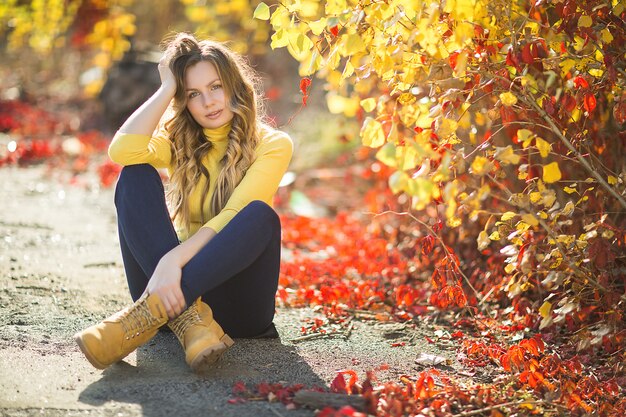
[(193, 94), (216, 86)]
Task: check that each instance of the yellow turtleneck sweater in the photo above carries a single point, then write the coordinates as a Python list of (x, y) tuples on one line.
[(260, 182)]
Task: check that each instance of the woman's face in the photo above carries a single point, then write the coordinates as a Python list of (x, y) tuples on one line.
[(206, 98)]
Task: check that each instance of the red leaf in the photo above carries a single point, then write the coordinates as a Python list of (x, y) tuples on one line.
[(305, 83), (580, 82), (339, 384), (428, 243), (527, 55), (590, 103), (334, 30)]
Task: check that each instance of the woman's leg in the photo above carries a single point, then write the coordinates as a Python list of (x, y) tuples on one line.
[(145, 229), (136, 278), (236, 273)]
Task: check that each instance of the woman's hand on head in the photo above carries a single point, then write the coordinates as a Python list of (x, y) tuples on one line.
[(168, 81), (165, 282)]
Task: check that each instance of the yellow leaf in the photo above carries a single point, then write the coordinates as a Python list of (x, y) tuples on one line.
[(509, 268), (535, 197), (318, 26), (530, 219), (508, 99), (545, 309), (372, 133), (422, 190), (334, 7), (454, 221), (612, 180), (543, 146), (445, 127), (262, 12), (551, 172), (348, 70), (279, 39), (481, 166), (409, 157), (507, 156), (585, 21), (482, 240), (495, 235), (338, 104), (525, 136), (568, 209), (507, 216), (387, 155), (569, 190), (299, 45), (596, 72), (368, 104), (606, 35), (354, 44), (566, 65), (398, 181)]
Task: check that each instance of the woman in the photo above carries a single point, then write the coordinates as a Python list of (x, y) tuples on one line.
[(218, 262)]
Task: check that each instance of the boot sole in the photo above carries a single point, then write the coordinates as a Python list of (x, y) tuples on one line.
[(88, 354), (202, 362)]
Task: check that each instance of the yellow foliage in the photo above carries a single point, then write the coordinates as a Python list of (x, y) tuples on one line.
[(372, 133), (551, 172), (543, 147), (261, 12), (584, 21), (508, 99), (481, 166), (338, 104)]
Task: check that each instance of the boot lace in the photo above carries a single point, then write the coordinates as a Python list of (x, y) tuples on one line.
[(137, 319), (187, 319)]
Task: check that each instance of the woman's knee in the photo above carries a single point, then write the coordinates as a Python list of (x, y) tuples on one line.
[(262, 210), (136, 177), (139, 171)]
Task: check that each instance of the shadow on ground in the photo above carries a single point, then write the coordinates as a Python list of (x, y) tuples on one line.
[(161, 383)]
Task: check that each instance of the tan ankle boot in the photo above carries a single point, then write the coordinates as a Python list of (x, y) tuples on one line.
[(202, 337), (115, 337)]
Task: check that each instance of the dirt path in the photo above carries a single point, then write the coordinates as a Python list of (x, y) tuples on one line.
[(60, 271)]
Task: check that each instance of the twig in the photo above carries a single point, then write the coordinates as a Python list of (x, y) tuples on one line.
[(579, 157), (445, 248), (307, 337), (100, 264), (512, 403)]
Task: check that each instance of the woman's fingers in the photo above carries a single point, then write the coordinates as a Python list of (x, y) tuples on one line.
[(177, 306)]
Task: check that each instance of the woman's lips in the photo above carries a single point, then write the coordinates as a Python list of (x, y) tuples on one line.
[(213, 115)]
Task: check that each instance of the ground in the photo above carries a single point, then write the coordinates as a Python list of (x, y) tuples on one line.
[(61, 271)]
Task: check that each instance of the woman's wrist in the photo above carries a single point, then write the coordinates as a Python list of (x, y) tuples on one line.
[(168, 89)]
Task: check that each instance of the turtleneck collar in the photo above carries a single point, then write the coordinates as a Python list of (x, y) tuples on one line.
[(218, 134)]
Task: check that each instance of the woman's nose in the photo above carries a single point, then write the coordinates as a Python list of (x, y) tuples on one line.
[(207, 99)]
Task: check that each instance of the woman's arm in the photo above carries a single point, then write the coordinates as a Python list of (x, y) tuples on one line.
[(133, 142), (165, 281), (144, 120)]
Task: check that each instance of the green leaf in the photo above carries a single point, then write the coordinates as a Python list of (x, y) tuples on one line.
[(262, 12)]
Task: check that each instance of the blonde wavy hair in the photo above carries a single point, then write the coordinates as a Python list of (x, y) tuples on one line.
[(190, 145)]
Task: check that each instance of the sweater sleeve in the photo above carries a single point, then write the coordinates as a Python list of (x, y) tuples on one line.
[(131, 149), (260, 181)]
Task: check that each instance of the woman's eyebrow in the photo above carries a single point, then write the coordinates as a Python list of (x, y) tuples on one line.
[(212, 82)]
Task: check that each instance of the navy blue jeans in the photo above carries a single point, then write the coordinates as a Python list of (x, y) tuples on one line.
[(236, 273)]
